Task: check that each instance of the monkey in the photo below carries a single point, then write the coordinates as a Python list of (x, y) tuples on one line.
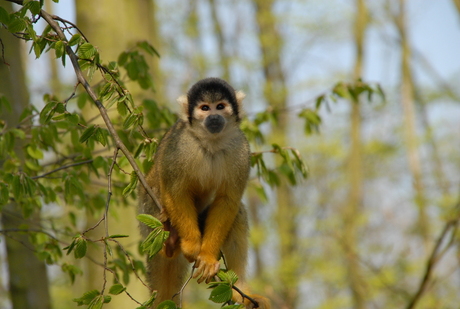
[(200, 171)]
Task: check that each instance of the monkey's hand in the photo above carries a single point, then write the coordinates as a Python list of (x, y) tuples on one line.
[(206, 267), (190, 249)]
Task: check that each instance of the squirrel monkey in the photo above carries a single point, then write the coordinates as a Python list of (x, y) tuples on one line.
[(200, 171)]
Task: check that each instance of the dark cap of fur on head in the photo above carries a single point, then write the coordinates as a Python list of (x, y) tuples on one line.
[(211, 89)]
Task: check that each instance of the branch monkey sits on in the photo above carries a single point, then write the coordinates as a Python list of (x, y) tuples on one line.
[(199, 174)]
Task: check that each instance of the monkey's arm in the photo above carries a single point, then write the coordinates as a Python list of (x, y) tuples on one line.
[(220, 218), (184, 219)]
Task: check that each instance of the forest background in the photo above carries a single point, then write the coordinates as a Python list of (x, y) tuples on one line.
[(372, 224)]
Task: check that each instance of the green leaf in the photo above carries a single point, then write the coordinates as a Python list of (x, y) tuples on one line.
[(17, 25), (87, 51), (4, 16), (117, 289), (118, 236), (149, 220), (80, 248), (121, 107), (148, 48), (88, 133), (228, 276), (70, 247), (153, 243), (17, 187), (341, 90), (34, 7), (123, 58), (34, 152), (167, 304), (221, 294), (73, 118), (75, 39), (319, 101), (101, 136), (47, 112), (4, 194), (97, 302), (71, 270), (87, 297), (132, 184)]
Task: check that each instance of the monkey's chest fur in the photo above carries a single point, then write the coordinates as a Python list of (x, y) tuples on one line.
[(205, 168)]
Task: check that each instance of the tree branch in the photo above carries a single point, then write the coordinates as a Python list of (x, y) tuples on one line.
[(435, 257), (62, 168), (50, 19)]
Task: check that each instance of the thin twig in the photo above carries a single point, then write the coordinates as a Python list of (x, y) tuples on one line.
[(106, 213), (131, 263), (431, 263), (70, 23), (73, 93), (6, 231), (252, 300), (62, 168), (276, 151), (181, 291)]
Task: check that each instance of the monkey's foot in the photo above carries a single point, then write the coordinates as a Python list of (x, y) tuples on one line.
[(206, 268)]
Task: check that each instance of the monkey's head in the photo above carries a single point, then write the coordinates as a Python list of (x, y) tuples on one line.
[(211, 103)]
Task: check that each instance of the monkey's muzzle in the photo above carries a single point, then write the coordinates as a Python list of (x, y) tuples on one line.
[(214, 123)]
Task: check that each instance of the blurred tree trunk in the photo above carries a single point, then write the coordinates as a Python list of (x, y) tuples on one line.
[(457, 5), (28, 279), (275, 94), (410, 134), (354, 207), (224, 54), (114, 26)]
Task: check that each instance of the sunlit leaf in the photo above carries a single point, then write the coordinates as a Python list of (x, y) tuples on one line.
[(88, 133), (17, 25), (116, 289), (149, 220), (221, 294)]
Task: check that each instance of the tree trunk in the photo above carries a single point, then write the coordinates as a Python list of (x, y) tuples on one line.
[(271, 44), (354, 206), (457, 5), (410, 134), (28, 279), (224, 55)]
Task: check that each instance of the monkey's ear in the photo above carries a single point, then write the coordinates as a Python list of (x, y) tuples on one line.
[(183, 102), (240, 95)]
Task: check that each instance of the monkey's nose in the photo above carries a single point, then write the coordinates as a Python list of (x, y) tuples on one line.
[(215, 123)]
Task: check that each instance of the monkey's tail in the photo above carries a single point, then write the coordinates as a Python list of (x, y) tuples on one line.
[(167, 275)]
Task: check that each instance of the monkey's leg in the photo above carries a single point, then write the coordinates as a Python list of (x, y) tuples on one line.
[(166, 275), (235, 251)]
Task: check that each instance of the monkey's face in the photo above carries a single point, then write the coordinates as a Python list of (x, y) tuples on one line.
[(213, 116)]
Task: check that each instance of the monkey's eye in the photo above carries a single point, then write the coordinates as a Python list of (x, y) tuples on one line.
[(204, 108), (220, 106)]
